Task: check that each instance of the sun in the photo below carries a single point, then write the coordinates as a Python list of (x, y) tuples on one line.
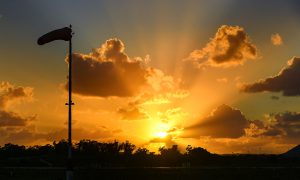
[(160, 130), (161, 134)]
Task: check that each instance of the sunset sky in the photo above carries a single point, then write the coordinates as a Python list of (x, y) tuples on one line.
[(223, 75)]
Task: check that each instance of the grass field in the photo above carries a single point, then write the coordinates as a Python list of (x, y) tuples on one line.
[(157, 173)]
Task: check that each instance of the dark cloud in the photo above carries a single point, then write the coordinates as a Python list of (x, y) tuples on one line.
[(23, 136), (108, 71), (231, 46), (287, 81), (13, 119), (273, 132), (286, 124), (224, 122)]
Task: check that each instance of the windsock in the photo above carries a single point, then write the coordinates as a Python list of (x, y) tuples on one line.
[(58, 34)]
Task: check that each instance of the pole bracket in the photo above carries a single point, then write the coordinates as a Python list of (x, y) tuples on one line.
[(68, 104)]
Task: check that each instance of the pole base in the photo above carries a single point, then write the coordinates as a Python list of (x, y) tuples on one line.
[(69, 174)]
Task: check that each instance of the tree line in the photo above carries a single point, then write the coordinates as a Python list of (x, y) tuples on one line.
[(90, 153)]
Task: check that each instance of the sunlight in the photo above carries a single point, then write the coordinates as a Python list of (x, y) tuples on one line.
[(161, 134), (160, 130)]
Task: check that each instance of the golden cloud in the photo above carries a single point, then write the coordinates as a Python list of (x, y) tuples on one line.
[(78, 134), (108, 71), (28, 135), (231, 46), (132, 111), (10, 93), (276, 39)]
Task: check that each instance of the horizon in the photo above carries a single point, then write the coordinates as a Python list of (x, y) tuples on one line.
[(135, 149), (216, 75)]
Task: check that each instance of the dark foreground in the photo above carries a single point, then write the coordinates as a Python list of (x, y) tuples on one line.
[(103, 161), (157, 173)]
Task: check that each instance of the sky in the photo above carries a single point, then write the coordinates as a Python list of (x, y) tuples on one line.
[(221, 75)]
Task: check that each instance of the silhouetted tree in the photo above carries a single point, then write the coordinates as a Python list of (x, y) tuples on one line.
[(13, 150), (61, 147), (141, 152), (171, 156), (128, 148), (88, 146), (197, 155)]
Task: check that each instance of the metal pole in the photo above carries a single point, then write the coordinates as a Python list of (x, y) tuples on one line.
[(69, 173)]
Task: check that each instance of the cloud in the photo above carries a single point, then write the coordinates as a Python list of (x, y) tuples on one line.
[(275, 97), (255, 129), (28, 135), (168, 141), (276, 39), (159, 81), (108, 71), (78, 134), (231, 46), (171, 114), (273, 132), (285, 124), (23, 136), (257, 145), (287, 81), (227, 130), (222, 80), (13, 119), (224, 122), (10, 93), (132, 112)]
